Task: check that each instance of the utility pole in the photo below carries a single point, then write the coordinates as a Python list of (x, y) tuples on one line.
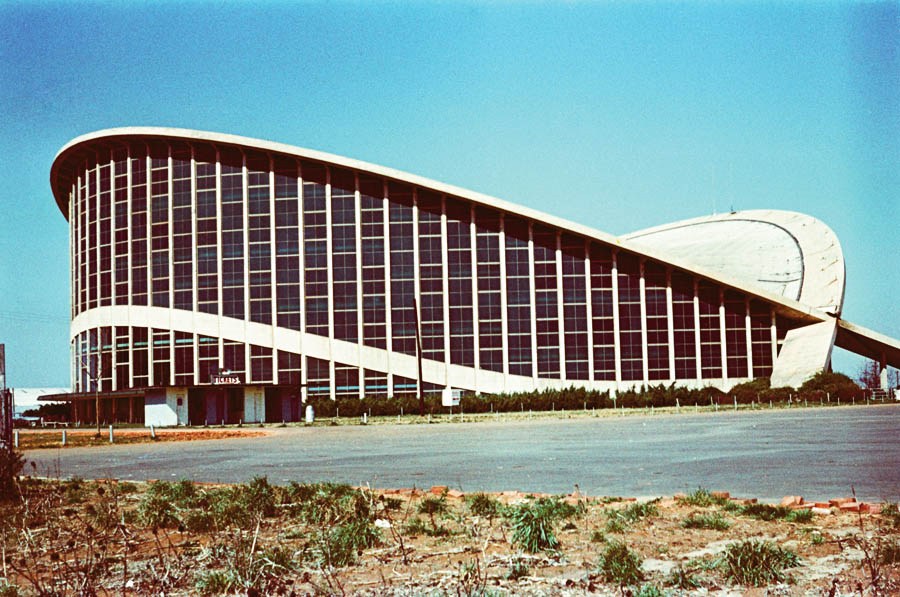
[(6, 406), (419, 359), (96, 381)]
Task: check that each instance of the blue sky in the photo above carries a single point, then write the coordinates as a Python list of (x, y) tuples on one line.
[(621, 116)]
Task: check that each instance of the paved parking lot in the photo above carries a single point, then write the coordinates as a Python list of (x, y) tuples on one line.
[(817, 453)]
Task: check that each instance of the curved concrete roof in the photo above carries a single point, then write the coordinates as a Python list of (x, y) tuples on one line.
[(72, 153), (785, 253)]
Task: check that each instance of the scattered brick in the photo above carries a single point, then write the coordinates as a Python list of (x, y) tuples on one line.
[(791, 500), (679, 496), (720, 494), (821, 511), (455, 494), (838, 501), (849, 507), (800, 506), (870, 508), (825, 505), (438, 489)]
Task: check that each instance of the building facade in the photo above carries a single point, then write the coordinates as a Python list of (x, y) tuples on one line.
[(218, 278)]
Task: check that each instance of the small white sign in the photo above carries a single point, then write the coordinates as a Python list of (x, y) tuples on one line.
[(450, 397)]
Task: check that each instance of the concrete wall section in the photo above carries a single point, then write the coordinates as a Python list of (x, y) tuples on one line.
[(165, 408), (806, 351)]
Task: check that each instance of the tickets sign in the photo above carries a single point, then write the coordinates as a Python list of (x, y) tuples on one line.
[(226, 380)]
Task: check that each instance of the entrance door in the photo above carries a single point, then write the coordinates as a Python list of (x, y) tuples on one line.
[(196, 406), (235, 405)]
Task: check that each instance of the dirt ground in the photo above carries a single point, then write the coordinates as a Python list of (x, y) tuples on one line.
[(106, 537), (33, 439)]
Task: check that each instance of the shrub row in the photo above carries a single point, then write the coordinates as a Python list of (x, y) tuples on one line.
[(833, 386)]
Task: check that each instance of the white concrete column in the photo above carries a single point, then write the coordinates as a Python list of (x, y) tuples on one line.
[(670, 317), (301, 256), (532, 303), (774, 339), (301, 264), (589, 308), (171, 251), (329, 256), (195, 275), (504, 318), (473, 254), (195, 285), (273, 273), (388, 318), (445, 281), (272, 266), (220, 309), (749, 335), (723, 343), (416, 260), (171, 356), (245, 192), (617, 346), (561, 322), (94, 243), (148, 239), (644, 344), (697, 331), (360, 311)]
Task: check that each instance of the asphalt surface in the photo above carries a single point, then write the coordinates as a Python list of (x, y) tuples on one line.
[(817, 453)]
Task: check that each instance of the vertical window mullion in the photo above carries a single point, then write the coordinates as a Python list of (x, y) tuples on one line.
[(617, 346)]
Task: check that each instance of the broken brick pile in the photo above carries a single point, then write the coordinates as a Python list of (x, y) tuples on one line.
[(794, 502), (844, 504)]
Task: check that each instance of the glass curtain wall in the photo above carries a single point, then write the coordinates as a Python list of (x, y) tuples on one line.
[(342, 254)]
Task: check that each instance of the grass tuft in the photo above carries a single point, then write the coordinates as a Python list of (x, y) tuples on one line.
[(756, 563), (765, 511), (803, 515), (533, 522), (702, 498), (713, 520), (618, 564), (481, 504)]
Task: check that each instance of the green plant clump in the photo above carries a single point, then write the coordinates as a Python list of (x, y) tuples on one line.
[(890, 513), (597, 536), (619, 520), (649, 591), (713, 521), (683, 579), (481, 504), (533, 522), (765, 511), (702, 498), (517, 569), (803, 515), (756, 563), (618, 564)]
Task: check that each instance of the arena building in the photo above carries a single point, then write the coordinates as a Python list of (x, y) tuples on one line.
[(220, 278)]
